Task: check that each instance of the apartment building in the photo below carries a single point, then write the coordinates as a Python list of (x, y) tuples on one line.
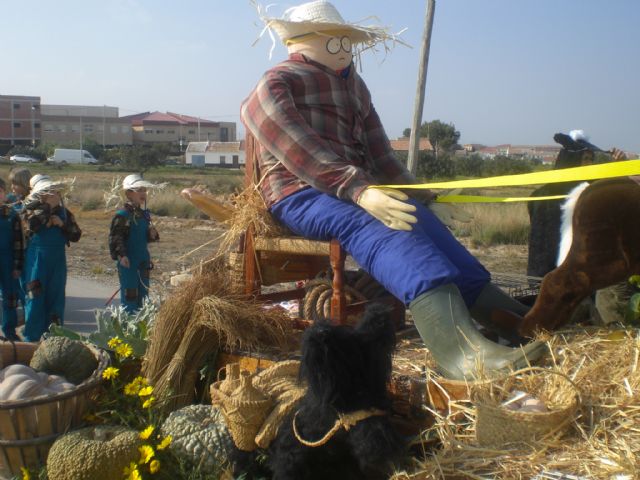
[(71, 124), (158, 127), (20, 121)]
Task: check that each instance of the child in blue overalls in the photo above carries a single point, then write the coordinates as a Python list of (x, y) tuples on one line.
[(48, 228), (131, 231), (11, 257), (19, 179)]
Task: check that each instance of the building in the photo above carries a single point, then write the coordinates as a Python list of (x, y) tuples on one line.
[(544, 153), (158, 127), (218, 154), (74, 124), (20, 121), (402, 145)]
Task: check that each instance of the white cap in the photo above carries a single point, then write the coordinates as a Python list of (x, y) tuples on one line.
[(135, 182), (44, 184), (36, 178)]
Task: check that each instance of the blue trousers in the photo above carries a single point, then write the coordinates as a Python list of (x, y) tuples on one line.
[(9, 294), (407, 264), (134, 284), (45, 279)]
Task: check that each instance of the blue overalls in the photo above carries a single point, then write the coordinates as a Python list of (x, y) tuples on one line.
[(7, 282), (44, 280), (134, 281), (17, 207)]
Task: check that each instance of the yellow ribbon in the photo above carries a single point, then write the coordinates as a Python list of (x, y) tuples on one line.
[(484, 199), (589, 172)]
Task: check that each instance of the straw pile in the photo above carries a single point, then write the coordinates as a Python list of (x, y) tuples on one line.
[(250, 211), (193, 323), (602, 442)]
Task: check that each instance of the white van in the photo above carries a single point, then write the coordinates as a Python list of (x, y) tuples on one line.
[(72, 155)]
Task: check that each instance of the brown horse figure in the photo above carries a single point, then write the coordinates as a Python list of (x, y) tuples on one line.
[(605, 250)]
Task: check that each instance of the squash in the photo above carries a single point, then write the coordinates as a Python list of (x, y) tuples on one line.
[(62, 356), (93, 453), (19, 382), (199, 434)]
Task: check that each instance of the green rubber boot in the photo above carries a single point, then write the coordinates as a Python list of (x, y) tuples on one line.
[(459, 349)]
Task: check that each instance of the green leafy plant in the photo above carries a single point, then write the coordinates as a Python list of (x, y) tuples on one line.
[(117, 322)]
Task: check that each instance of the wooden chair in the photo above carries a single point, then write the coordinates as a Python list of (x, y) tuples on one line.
[(274, 260)]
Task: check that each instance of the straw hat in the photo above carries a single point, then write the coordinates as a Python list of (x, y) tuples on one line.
[(321, 16), (136, 182), (316, 16)]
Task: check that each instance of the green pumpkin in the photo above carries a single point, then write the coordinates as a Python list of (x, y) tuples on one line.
[(93, 453), (199, 434), (71, 359)]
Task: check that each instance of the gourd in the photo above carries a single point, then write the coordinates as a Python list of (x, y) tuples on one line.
[(93, 453), (20, 382), (199, 434), (62, 356)]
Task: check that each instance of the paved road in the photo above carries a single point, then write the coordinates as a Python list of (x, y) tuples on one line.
[(84, 296)]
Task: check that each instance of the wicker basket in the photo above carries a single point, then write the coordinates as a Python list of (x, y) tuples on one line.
[(497, 425), (29, 427), (244, 411)]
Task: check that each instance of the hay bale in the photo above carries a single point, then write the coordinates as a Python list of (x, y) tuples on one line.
[(602, 442)]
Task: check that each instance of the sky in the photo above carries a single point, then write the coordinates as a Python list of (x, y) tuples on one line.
[(502, 71)]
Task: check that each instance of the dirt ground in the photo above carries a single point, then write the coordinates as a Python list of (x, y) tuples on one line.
[(89, 257)]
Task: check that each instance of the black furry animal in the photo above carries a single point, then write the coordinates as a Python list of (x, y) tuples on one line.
[(347, 369)]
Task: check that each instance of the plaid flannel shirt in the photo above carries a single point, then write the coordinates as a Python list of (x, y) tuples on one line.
[(121, 225), (316, 128), (36, 215)]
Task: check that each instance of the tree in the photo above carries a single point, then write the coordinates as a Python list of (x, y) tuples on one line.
[(442, 136)]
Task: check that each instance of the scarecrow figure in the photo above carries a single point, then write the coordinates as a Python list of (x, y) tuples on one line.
[(130, 233), (322, 146), (49, 228)]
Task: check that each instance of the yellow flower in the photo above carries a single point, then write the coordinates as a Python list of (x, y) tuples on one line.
[(146, 433), (131, 389), (148, 402), (146, 454), (110, 373), (134, 475), (114, 342), (123, 351), (127, 470), (146, 391), (25, 473), (166, 441), (154, 466)]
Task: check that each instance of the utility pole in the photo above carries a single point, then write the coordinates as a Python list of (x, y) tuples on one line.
[(414, 140), (33, 127)]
